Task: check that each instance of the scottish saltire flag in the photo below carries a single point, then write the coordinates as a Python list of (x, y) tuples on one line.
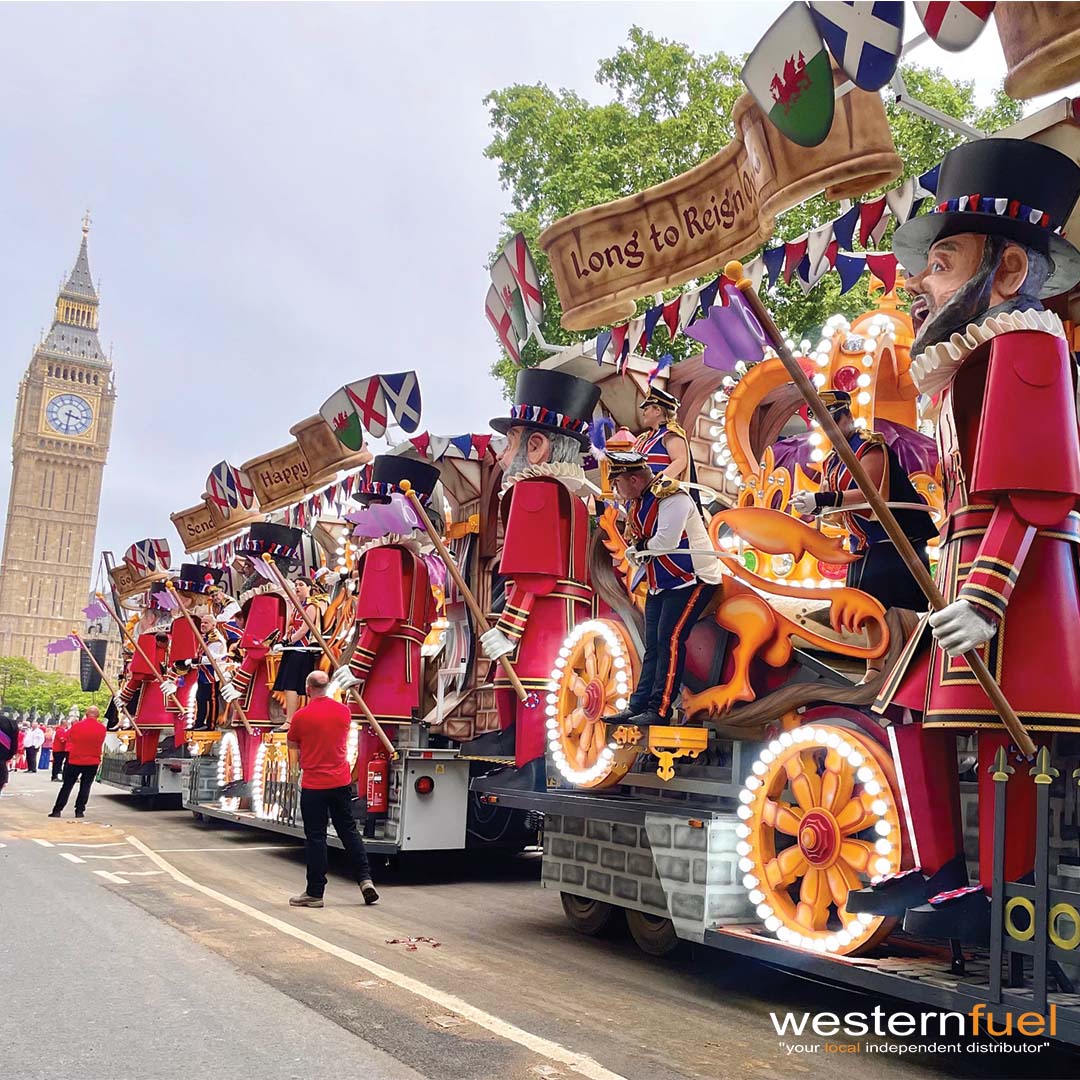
[(146, 556), (790, 77), (953, 25), (500, 319), (502, 277), (524, 270), (865, 37), (401, 394)]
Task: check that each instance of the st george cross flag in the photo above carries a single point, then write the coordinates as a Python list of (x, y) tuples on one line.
[(245, 493), (502, 277), (524, 270), (790, 77), (340, 413), (865, 37), (500, 319), (401, 392), (366, 396), (953, 25)]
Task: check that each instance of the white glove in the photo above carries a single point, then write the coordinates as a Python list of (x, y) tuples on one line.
[(803, 502), (278, 648), (633, 557), (495, 643), (959, 628), (229, 693), (343, 679), (168, 687)]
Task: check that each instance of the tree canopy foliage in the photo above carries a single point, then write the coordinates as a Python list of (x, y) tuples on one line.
[(670, 109), (25, 687)]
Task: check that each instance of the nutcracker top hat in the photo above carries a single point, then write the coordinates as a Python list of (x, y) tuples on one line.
[(551, 401), (387, 472), (659, 397), (198, 579), (1024, 191), (266, 537)]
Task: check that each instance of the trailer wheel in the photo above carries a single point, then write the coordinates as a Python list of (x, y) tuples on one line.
[(197, 816), (654, 934), (593, 918)]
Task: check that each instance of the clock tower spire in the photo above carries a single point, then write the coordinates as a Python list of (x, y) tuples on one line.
[(63, 421)]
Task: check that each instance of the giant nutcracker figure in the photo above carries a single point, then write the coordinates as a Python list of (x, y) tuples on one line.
[(265, 615), (998, 369), (394, 603), (544, 542)]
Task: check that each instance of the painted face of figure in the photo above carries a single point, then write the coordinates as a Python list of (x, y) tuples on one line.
[(524, 447)]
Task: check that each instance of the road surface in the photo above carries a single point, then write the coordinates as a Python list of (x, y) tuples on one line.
[(143, 944)]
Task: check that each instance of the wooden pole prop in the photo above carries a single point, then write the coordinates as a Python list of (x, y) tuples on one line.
[(877, 503), (459, 581), (135, 644), (369, 716), (105, 679), (201, 641)]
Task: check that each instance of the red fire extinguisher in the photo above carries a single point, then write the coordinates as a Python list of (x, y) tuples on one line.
[(378, 784)]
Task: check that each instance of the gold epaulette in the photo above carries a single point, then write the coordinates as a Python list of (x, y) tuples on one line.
[(663, 487), (677, 429), (874, 437)]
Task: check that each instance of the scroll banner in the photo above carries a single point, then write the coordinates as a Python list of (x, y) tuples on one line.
[(604, 258)]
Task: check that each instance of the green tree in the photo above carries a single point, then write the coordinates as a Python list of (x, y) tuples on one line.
[(671, 109), (25, 687)]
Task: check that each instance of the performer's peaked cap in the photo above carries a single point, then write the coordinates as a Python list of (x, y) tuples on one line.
[(656, 396), (1021, 190), (834, 400), (268, 537), (551, 401), (198, 579), (387, 472), (625, 461)]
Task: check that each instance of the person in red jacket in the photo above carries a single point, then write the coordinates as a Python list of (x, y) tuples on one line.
[(84, 742), (60, 750)]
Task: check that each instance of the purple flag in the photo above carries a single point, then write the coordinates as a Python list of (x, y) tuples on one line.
[(96, 610), (167, 602), (61, 645), (730, 333)]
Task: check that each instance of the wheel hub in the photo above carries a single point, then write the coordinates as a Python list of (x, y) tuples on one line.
[(819, 838), (595, 695)]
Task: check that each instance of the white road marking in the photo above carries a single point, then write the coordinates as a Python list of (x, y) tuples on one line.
[(114, 878), (68, 843), (135, 873), (112, 857), (553, 1051), (235, 848), (71, 858), (43, 843)]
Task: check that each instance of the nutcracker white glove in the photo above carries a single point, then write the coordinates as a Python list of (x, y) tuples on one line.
[(343, 679), (495, 643), (803, 502), (229, 693), (959, 628), (168, 687)]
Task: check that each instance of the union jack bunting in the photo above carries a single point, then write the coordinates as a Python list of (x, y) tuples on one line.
[(145, 556)]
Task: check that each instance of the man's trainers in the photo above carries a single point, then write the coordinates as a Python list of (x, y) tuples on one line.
[(77, 814), (370, 895), (55, 813), (303, 900)]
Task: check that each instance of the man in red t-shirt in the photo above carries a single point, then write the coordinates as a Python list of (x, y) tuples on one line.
[(60, 749), (319, 733), (84, 742)]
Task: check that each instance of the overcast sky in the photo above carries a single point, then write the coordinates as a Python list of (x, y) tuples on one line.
[(284, 198)]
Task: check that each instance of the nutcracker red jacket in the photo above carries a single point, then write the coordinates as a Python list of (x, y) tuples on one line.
[(84, 742)]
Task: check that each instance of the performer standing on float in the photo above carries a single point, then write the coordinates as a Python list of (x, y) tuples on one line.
[(662, 517), (881, 571), (999, 370), (299, 653), (544, 543), (394, 603), (664, 443)]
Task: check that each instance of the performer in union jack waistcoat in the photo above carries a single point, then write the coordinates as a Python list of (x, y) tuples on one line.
[(544, 543), (662, 517), (999, 372), (664, 443)]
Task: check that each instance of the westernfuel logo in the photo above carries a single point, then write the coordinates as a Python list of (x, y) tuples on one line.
[(931, 1032)]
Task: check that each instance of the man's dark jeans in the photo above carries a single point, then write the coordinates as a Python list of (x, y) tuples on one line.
[(84, 774), (59, 760), (318, 805)]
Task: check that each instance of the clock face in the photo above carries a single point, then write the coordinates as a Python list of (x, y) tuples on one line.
[(69, 414)]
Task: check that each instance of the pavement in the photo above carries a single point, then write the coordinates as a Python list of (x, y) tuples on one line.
[(164, 948)]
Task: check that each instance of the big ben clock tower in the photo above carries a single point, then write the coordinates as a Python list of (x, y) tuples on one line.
[(63, 420)]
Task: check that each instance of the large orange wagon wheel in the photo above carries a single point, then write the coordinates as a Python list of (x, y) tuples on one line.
[(819, 818), (593, 677)]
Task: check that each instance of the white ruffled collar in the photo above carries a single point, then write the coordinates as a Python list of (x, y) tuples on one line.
[(569, 474), (933, 369)]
